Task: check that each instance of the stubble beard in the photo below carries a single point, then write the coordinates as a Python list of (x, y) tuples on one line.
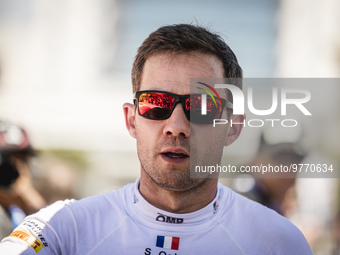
[(169, 177)]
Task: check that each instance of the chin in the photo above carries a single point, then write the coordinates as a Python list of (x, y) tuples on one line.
[(178, 184)]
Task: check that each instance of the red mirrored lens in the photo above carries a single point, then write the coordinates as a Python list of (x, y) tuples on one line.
[(155, 105), (194, 106), (194, 103)]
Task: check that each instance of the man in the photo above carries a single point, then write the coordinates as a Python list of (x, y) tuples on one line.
[(166, 212)]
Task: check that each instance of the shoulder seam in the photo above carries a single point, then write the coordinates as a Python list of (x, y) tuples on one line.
[(107, 236), (230, 236), (74, 223)]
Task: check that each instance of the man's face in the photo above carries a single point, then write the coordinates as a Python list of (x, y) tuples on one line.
[(166, 147)]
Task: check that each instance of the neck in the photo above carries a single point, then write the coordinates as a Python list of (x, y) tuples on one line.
[(178, 201)]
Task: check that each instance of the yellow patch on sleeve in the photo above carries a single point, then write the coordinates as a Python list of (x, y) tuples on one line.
[(31, 240)]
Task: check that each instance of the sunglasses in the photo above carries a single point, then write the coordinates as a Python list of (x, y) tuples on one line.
[(159, 105)]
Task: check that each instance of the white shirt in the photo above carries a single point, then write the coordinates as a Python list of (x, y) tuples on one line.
[(123, 222)]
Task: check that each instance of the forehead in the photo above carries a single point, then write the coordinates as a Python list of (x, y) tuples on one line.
[(172, 73)]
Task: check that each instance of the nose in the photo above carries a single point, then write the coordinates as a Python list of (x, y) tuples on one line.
[(177, 124)]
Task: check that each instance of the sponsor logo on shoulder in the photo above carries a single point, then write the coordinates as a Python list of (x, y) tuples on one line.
[(28, 238), (168, 219), (36, 227)]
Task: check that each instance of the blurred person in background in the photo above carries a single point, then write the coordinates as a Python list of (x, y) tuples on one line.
[(278, 194), (281, 194), (18, 197), (166, 211)]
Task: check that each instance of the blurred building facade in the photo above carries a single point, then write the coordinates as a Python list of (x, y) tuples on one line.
[(65, 67)]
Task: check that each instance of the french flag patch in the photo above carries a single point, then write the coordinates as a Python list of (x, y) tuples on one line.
[(168, 242)]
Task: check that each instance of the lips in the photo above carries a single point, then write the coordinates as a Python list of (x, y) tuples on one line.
[(175, 155)]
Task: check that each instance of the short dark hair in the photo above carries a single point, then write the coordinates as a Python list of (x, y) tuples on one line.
[(183, 38)]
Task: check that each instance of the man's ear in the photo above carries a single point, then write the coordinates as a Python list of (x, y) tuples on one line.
[(129, 114), (235, 129)]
